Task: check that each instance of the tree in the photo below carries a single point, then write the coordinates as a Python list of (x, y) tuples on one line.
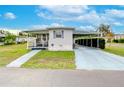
[(106, 32), (9, 39), (110, 36), (104, 29)]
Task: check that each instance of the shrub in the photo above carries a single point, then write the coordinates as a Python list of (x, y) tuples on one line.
[(121, 40), (101, 43), (115, 41)]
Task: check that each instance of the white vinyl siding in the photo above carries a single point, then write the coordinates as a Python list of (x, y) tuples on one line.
[(61, 43)]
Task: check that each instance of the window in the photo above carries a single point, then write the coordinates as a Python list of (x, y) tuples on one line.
[(54, 34), (62, 34), (58, 34)]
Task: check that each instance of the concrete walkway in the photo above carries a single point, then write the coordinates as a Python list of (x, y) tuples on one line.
[(20, 77), (18, 62), (96, 59)]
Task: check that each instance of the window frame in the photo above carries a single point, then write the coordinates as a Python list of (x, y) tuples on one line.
[(61, 33)]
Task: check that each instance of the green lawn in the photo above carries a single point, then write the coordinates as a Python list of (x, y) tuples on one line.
[(117, 49), (9, 53), (52, 60)]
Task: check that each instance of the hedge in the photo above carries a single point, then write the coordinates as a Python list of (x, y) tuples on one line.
[(118, 40)]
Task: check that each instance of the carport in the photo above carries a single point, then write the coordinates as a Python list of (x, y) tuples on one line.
[(85, 38), (88, 41)]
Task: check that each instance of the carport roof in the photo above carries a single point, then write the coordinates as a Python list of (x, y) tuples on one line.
[(49, 28), (85, 32)]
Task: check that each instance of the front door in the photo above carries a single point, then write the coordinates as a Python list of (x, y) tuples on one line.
[(42, 40), (45, 40), (38, 40)]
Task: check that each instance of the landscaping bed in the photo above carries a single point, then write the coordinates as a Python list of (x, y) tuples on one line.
[(52, 60), (9, 53)]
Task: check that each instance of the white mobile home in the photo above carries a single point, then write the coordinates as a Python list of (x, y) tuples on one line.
[(54, 38)]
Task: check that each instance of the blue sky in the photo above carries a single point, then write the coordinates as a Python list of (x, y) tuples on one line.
[(81, 17)]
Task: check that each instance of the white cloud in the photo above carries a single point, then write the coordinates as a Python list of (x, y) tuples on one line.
[(118, 24), (67, 12), (89, 17), (115, 13), (56, 25), (45, 26), (87, 28), (82, 14), (9, 15), (38, 26), (68, 9)]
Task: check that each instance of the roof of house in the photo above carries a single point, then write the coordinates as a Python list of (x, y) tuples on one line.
[(54, 28), (50, 28), (67, 28)]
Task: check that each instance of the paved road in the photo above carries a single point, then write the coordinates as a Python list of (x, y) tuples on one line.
[(55, 78), (96, 59)]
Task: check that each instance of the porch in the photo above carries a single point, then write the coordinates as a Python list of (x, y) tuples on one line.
[(38, 41)]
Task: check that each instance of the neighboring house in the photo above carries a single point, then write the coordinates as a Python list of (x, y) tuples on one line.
[(54, 38), (20, 36), (119, 36), (21, 39), (12, 31)]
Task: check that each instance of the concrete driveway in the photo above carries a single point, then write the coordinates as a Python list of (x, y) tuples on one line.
[(54, 78), (96, 59)]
